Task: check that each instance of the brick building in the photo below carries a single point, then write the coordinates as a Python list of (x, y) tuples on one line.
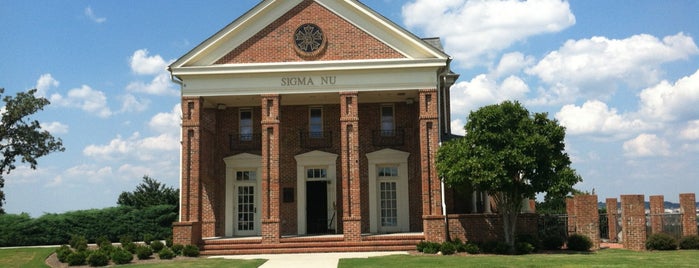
[(307, 117)]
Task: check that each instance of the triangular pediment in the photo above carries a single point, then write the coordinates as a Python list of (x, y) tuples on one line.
[(351, 32)]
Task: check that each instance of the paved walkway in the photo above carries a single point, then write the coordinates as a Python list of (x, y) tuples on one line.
[(309, 260)]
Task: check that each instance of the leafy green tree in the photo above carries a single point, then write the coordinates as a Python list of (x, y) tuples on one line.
[(150, 193), (20, 136), (512, 155)]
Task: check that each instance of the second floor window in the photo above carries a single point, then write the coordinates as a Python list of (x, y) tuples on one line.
[(245, 124), (315, 122), (387, 121)]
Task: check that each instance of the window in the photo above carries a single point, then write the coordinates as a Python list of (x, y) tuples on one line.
[(315, 122), (388, 172), (245, 124), (245, 176), (316, 173), (388, 195), (387, 122)]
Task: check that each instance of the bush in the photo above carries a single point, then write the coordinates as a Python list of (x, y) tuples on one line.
[(552, 242), (428, 247), (166, 254), (97, 258), (102, 241), (78, 242), (157, 245), (530, 239), (690, 242), (523, 248), (143, 252), (63, 252), (190, 251), (121, 256), (489, 246), (447, 248), (147, 238), (578, 242), (177, 249), (471, 248), (661, 241), (502, 248), (168, 242), (77, 258)]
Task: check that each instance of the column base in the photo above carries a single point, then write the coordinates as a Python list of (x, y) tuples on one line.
[(270, 231), (186, 233), (352, 230), (434, 228)]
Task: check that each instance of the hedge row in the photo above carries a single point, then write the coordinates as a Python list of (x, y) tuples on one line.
[(113, 222)]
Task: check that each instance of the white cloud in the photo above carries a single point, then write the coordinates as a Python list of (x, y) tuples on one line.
[(131, 103), (512, 63), (160, 85), (671, 102), (55, 127), (595, 117), (167, 122), (85, 98), (91, 15), (91, 173), (44, 84), (595, 67), (646, 145), (143, 64), (475, 31), (482, 90), (691, 132)]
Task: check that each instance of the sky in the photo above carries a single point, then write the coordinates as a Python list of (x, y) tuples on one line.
[(622, 77)]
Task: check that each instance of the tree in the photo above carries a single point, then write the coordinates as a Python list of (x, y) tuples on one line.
[(150, 193), (512, 155), (21, 137)]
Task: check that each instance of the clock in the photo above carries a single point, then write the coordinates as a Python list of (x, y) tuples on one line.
[(309, 39)]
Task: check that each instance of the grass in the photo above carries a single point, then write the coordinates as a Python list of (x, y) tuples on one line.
[(24, 257), (602, 258)]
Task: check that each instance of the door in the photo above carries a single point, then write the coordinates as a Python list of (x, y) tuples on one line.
[(316, 207), (245, 213)]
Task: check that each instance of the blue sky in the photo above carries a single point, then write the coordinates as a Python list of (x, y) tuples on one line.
[(622, 76)]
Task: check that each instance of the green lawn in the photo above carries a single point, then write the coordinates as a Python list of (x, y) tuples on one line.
[(24, 257), (602, 258)]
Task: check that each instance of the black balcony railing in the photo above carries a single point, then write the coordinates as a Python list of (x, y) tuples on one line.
[(241, 142), (316, 140), (388, 137)]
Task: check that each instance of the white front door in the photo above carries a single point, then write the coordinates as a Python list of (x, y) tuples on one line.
[(388, 199), (246, 218)]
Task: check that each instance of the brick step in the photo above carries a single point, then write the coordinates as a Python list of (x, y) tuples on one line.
[(419, 237), (250, 251), (310, 244)]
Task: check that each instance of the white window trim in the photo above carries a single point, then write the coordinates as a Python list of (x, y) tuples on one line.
[(314, 159), (387, 157)]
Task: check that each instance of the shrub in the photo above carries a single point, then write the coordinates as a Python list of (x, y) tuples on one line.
[(190, 251), (78, 242), (661, 241), (489, 246), (166, 254), (471, 248), (63, 252), (157, 245), (168, 242), (690, 242), (97, 258), (578, 242), (147, 238), (502, 248), (143, 252), (527, 238), (121, 256), (77, 258), (447, 248), (552, 242), (177, 249), (522, 248), (428, 247), (102, 241)]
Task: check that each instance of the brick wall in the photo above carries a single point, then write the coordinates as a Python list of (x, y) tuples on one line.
[(688, 207), (488, 227), (633, 221), (612, 218), (587, 218), (657, 209), (275, 43)]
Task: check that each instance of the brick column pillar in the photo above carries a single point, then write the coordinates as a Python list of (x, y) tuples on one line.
[(433, 218), (570, 210), (657, 209), (587, 218), (688, 208), (351, 183), (188, 230), (633, 222), (271, 111), (612, 218)]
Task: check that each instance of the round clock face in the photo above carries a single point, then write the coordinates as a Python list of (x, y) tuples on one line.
[(309, 38)]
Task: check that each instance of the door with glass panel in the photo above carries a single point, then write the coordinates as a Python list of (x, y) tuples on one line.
[(246, 196), (387, 181)]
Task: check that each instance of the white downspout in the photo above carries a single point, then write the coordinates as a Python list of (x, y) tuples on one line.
[(179, 82)]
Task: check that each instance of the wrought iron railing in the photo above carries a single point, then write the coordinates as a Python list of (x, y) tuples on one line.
[(388, 137), (316, 139), (240, 142)]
